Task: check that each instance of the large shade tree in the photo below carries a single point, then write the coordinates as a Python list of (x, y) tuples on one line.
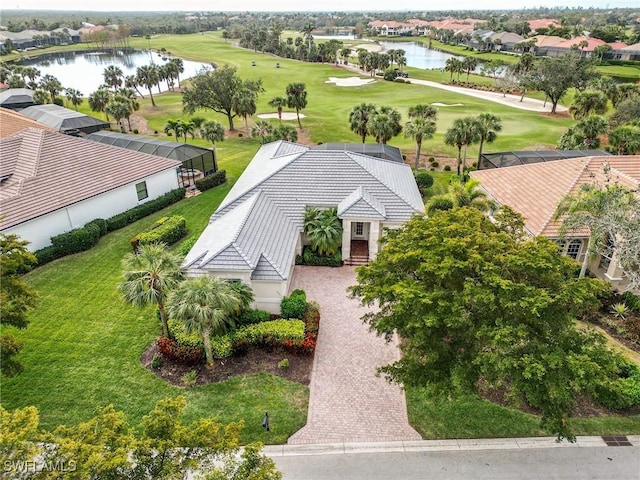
[(206, 306), (149, 275), (474, 302)]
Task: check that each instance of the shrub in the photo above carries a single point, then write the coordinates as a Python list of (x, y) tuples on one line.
[(167, 230), (294, 305), (390, 74), (47, 254), (101, 223), (240, 134), (620, 310), (270, 334), (58, 101), (136, 213), (221, 345), (156, 361), (251, 316), (171, 349), (189, 379), (624, 392), (432, 159), (187, 245), (135, 130), (312, 319), (283, 364), (424, 181), (435, 164), (77, 240), (447, 168), (632, 301), (309, 257), (210, 181)]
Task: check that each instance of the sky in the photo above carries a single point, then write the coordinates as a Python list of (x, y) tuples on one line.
[(309, 5)]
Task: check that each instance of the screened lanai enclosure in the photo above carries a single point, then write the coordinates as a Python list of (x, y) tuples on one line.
[(64, 120), (378, 150), (197, 162), (511, 159)]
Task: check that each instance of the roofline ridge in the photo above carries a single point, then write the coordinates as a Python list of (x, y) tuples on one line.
[(275, 267), (372, 205), (237, 248)]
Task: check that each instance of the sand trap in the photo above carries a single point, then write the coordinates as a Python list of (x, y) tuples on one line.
[(369, 47), (350, 82), (285, 115), (438, 104)]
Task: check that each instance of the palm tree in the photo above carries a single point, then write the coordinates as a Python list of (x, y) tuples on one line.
[(459, 194), (129, 95), (177, 67), (588, 103), (461, 134), (468, 64), (487, 128), (40, 97), (212, 131), (359, 119), (419, 129), (625, 139), (74, 96), (174, 126), (423, 111), (385, 124), (52, 85), (453, 65), (307, 29), (285, 132), (262, 130), (98, 101), (206, 305), (119, 108), (591, 128), (147, 75), (113, 76), (130, 81), (149, 275), (244, 105), (297, 98), (278, 103), (324, 230), (187, 128)]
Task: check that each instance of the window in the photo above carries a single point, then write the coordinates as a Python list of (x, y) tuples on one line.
[(573, 250), (359, 228), (141, 190)]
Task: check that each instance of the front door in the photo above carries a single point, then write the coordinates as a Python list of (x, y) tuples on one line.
[(359, 230)]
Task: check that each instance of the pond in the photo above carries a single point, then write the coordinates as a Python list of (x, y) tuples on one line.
[(419, 56), (83, 70)]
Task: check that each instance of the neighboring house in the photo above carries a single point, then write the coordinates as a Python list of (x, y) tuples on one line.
[(392, 28), (632, 52), (12, 122), (505, 41), (16, 98), (51, 183), (64, 120), (536, 190), (257, 231), (540, 23), (544, 42), (566, 46)]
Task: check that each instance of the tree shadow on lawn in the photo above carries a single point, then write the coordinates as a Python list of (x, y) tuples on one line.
[(256, 360)]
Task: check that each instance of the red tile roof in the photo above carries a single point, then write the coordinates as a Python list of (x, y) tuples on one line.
[(48, 171), (535, 190), (592, 43), (543, 23), (12, 122), (617, 45)]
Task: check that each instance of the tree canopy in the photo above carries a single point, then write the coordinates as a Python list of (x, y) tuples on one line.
[(479, 307)]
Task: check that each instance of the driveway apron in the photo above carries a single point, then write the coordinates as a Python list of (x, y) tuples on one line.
[(348, 401)]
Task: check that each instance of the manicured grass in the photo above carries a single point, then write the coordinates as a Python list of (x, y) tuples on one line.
[(473, 417), (623, 72), (82, 348)]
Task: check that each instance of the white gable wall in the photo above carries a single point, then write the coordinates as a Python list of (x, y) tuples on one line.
[(40, 230)]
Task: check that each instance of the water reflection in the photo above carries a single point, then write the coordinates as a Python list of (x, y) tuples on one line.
[(83, 70)]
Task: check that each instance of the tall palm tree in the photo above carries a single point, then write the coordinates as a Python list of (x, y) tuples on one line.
[(307, 29), (74, 96), (119, 108), (591, 128), (487, 127), (129, 95), (130, 81), (212, 131), (278, 103), (98, 101), (423, 111), (588, 103), (385, 124), (149, 276), (297, 98), (177, 67), (461, 134), (461, 194), (52, 85), (244, 105), (174, 126), (468, 64), (206, 305), (147, 75), (113, 76), (187, 128), (419, 129), (359, 119)]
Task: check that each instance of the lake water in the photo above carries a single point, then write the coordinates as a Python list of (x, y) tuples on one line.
[(83, 70), (419, 56)]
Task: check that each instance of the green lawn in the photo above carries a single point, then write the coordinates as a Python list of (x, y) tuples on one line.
[(473, 417), (83, 345)]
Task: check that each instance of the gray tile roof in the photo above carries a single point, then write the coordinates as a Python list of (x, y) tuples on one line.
[(257, 225)]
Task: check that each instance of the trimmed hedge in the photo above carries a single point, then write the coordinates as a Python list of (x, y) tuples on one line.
[(309, 257), (252, 316), (186, 354), (294, 305), (77, 240), (211, 181), (167, 230), (269, 333), (136, 213)]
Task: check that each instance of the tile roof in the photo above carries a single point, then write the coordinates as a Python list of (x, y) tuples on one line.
[(12, 122), (592, 43), (47, 171), (632, 48), (535, 190), (543, 23), (548, 40), (257, 225)]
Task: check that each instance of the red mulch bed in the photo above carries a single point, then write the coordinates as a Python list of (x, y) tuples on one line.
[(254, 361)]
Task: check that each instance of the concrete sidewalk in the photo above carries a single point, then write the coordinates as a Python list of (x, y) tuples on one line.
[(343, 448)]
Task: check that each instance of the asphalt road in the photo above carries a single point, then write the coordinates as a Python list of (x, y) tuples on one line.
[(606, 463)]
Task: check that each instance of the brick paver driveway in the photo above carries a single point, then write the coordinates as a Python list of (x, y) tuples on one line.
[(348, 402)]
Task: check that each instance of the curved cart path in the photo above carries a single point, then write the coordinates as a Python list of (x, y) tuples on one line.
[(348, 402)]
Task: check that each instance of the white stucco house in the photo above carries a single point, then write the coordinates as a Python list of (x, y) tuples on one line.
[(257, 231), (51, 183)]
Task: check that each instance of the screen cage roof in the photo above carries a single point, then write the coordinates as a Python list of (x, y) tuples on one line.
[(377, 150), (511, 159), (64, 119)]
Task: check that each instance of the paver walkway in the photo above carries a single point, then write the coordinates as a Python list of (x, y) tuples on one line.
[(348, 402)]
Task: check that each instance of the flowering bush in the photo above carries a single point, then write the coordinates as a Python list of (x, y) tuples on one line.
[(188, 355)]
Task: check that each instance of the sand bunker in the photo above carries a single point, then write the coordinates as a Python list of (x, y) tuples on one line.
[(438, 104), (285, 115), (369, 47), (350, 82)]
